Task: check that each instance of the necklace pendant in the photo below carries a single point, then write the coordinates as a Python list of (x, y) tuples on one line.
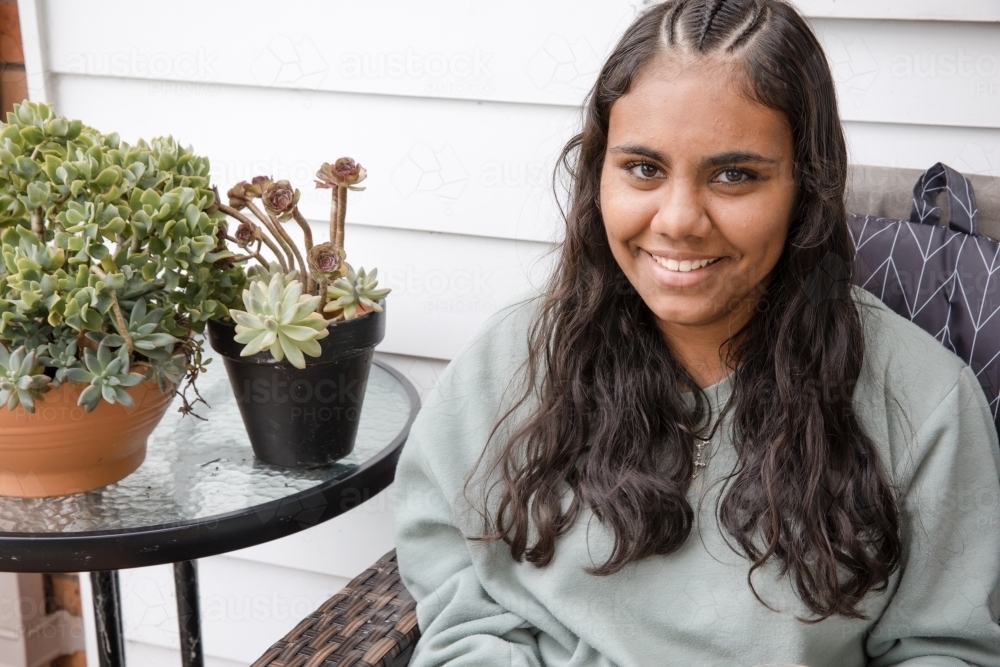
[(699, 463)]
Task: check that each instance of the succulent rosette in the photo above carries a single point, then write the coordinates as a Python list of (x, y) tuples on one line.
[(344, 173), (327, 261), (281, 319), (280, 198)]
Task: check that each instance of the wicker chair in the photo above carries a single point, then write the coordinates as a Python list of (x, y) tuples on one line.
[(373, 621)]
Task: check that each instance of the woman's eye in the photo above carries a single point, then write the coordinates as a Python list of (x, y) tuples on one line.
[(642, 170), (734, 176)]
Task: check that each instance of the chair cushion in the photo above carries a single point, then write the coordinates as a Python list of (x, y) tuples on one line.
[(887, 192), (945, 279)]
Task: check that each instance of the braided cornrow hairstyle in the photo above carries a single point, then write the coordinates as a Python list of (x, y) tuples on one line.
[(810, 491)]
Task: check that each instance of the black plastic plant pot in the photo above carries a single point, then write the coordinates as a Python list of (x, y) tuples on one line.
[(303, 418)]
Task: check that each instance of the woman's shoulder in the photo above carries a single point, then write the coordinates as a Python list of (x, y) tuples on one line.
[(904, 353), (500, 344), (487, 371), (471, 394), (911, 385)]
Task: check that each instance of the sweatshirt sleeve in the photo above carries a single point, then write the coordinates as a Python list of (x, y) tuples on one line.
[(944, 611), (459, 621)]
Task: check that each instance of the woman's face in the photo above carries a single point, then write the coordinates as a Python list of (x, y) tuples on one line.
[(696, 195)]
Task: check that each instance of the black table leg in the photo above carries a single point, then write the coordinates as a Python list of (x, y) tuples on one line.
[(108, 618), (188, 616)]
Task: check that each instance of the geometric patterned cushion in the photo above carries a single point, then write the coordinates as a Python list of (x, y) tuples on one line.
[(944, 279)]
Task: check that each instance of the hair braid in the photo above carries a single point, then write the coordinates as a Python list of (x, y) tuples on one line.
[(756, 23), (670, 20), (713, 10)]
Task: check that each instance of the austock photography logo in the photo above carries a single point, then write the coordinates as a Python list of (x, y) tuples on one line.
[(469, 289), (313, 400), (198, 65), (564, 66), (147, 604), (457, 73), (853, 66), (178, 74), (981, 68), (437, 172), (290, 62)]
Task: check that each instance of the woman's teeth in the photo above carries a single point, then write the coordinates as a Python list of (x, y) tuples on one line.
[(685, 265)]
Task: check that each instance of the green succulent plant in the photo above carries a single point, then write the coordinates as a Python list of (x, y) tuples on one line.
[(21, 381), (61, 356), (121, 242), (355, 294), (264, 272), (108, 375), (321, 272), (142, 331), (281, 319)]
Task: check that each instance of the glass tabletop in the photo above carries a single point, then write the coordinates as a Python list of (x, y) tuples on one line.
[(198, 469)]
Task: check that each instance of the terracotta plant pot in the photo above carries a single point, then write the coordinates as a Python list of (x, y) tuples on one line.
[(61, 449)]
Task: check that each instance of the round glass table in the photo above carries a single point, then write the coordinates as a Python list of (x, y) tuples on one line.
[(200, 492)]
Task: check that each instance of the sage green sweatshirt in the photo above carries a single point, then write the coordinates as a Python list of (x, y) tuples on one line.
[(478, 607)]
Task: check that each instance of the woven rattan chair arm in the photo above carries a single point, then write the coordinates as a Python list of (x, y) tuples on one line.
[(372, 622)]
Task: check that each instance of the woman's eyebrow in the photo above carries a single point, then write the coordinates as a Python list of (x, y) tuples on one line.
[(735, 157), (731, 157), (638, 149)]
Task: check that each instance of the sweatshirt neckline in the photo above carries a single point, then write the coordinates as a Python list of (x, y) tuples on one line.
[(717, 394)]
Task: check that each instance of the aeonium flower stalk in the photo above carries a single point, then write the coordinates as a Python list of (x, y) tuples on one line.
[(341, 176), (326, 261)]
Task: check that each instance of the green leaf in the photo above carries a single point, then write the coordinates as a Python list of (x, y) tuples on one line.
[(109, 176)]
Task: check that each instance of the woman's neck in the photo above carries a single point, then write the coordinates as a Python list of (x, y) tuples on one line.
[(703, 349)]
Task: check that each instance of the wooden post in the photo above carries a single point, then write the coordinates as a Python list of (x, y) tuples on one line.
[(13, 80)]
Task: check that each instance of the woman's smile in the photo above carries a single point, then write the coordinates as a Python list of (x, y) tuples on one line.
[(679, 271)]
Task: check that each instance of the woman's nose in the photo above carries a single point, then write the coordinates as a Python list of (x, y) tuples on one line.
[(681, 212)]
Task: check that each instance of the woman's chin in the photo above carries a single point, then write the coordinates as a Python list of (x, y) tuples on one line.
[(690, 311)]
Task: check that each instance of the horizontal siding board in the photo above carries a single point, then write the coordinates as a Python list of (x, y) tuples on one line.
[(918, 10), (444, 286), (969, 150), (148, 655), (916, 72), (953, 77), (439, 165), (245, 606), (341, 547), (440, 48)]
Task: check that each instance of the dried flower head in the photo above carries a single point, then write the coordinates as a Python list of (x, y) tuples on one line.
[(246, 234), (238, 195), (280, 197), (344, 173), (327, 260)]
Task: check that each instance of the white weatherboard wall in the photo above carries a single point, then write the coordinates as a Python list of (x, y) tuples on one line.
[(457, 110)]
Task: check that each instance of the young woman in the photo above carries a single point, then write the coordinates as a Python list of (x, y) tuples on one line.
[(701, 445)]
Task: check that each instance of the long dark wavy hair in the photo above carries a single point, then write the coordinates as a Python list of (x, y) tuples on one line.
[(809, 489)]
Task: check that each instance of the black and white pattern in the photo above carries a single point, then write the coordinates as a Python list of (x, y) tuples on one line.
[(945, 279)]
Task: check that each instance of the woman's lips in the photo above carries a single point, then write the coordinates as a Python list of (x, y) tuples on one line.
[(681, 273)]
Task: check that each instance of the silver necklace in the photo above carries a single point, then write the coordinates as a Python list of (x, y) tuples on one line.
[(699, 463), (700, 443)]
